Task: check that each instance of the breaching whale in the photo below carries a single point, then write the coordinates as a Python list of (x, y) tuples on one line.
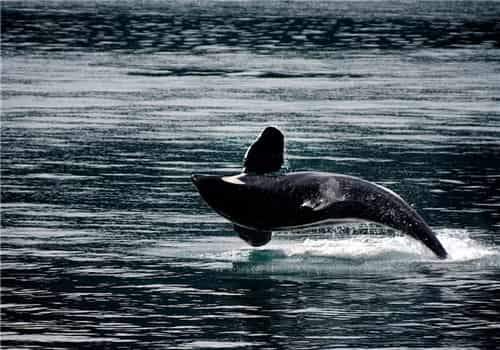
[(259, 200)]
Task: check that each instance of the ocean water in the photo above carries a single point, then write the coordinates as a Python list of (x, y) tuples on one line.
[(108, 107)]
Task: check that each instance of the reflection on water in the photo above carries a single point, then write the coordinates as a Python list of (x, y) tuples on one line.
[(107, 108), (254, 25)]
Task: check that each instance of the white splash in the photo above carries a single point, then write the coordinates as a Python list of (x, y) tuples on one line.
[(462, 247), (459, 244), (350, 248), (353, 247)]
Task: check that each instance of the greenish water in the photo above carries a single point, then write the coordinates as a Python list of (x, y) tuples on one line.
[(109, 107)]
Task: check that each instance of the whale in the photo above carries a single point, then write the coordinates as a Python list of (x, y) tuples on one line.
[(263, 198)]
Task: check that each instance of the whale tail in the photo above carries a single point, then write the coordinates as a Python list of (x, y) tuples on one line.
[(391, 210), (400, 215), (418, 229), (430, 241)]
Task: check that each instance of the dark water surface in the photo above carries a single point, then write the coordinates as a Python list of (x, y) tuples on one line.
[(108, 107)]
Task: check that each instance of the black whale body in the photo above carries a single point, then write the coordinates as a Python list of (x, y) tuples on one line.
[(258, 202)]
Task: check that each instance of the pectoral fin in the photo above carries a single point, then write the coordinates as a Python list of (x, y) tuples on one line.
[(253, 237)]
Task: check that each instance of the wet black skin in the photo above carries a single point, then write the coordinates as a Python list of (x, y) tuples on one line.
[(260, 204)]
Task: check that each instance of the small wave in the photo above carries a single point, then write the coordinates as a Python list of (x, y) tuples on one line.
[(296, 74), (59, 177), (179, 72), (205, 344), (195, 71)]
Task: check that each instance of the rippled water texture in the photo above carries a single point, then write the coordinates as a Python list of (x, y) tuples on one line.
[(108, 107)]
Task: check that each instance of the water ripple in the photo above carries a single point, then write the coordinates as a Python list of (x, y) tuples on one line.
[(108, 108)]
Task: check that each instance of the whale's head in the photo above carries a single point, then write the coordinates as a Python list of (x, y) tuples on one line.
[(231, 198), (210, 188), (217, 193), (228, 195)]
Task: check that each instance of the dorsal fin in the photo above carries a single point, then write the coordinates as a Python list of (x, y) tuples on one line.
[(265, 155)]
